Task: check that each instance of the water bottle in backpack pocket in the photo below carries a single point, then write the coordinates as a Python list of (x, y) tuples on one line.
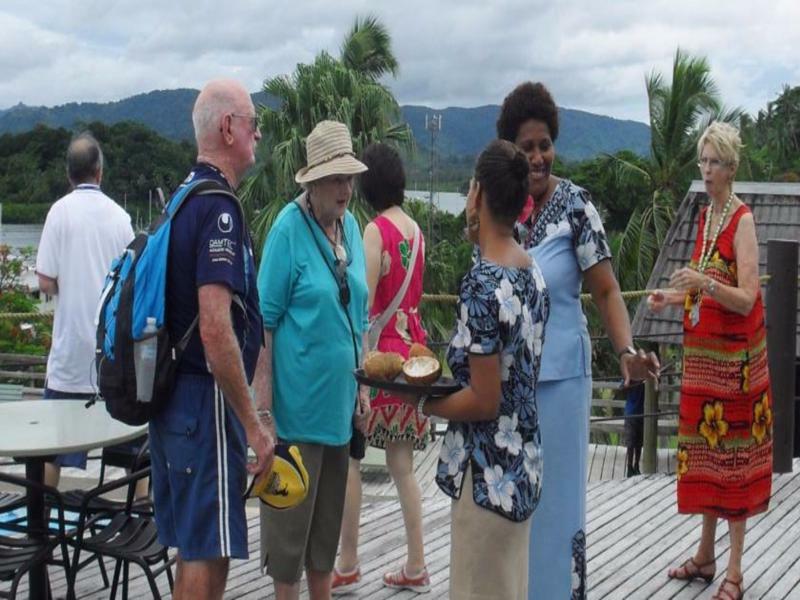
[(145, 352)]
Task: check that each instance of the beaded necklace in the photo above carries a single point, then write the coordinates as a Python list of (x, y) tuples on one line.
[(707, 250)]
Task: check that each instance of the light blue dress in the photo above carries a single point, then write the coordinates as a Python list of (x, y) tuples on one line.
[(567, 239)]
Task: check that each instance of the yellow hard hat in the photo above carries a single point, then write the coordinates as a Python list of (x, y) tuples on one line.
[(286, 484)]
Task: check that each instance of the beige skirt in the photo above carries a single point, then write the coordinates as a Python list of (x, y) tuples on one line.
[(488, 553)]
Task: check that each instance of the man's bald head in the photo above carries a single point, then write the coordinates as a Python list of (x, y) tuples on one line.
[(216, 99), (84, 160)]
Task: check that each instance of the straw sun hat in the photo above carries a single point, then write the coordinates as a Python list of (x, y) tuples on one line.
[(329, 151)]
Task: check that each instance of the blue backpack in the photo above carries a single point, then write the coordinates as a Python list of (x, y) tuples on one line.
[(135, 289)]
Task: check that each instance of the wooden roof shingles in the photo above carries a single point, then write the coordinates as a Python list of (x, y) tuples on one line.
[(776, 209)]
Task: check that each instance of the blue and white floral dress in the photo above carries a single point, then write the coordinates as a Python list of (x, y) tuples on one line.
[(566, 239), (500, 311)]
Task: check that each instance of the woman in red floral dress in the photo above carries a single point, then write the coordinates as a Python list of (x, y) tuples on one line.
[(394, 425), (725, 429)]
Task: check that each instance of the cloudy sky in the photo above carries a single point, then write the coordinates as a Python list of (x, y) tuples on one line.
[(593, 55)]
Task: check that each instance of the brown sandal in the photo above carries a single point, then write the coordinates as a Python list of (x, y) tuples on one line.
[(725, 594), (691, 571)]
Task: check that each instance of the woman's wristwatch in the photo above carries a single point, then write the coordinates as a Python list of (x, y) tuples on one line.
[(628, 350)]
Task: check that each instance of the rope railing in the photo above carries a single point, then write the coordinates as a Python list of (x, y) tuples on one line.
[(443, 298)]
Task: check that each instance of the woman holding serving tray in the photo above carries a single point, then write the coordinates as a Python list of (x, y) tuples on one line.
[(490, 463)]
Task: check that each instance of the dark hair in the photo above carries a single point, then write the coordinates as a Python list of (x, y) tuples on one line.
[(384, 183), (527, 101), (502, 170), (84, 158)]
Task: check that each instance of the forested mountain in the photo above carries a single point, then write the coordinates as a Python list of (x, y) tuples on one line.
[(465, 131)]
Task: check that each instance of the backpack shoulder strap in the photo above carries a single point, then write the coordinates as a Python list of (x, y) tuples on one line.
[(196, 187)]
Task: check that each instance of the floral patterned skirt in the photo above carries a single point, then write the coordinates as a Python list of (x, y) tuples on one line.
[(393, 420), (724, 458)]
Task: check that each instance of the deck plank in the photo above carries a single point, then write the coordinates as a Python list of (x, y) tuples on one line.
[(634, 534)]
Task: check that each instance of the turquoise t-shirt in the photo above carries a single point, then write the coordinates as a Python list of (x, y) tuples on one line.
[(313, 388)]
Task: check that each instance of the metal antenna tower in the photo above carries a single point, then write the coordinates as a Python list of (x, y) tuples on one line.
[(432, 125)]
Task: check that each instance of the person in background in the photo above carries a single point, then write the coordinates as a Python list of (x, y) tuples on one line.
[(393, 425), (313, 287), (198, 441), (565, 234), (725, 426), (83, 233), (490, 463)]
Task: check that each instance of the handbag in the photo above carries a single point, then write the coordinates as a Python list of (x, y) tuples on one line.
[(377, 324)]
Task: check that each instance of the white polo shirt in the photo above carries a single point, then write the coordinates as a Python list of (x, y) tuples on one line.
[(84, 231)]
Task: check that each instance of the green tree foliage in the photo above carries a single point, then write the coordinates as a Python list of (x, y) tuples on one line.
[(772, 140), (33, 335), (137, 160), (344, 89)]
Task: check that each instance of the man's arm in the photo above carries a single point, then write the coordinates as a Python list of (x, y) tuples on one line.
[(225, 361), (262, 383), (48, 285)]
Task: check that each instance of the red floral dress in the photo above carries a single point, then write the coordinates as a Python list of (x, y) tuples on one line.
[(725, 431), (392, 419)]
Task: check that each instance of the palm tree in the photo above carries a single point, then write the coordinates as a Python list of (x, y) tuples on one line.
[(344, 89), (367, 49), (679, 112)]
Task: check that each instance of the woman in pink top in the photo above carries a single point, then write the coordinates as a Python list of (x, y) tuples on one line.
[(394, 425)]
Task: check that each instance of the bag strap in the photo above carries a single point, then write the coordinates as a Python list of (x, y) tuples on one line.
[(207, 187), (378, 324)]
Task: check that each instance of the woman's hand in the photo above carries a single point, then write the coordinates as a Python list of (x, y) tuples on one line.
[(685, 279), (638, 367), (657, 301)]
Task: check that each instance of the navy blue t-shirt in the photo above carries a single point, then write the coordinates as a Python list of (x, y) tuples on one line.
[(206, 246)]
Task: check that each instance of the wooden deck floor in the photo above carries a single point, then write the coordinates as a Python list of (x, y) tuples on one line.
[(634, 535)]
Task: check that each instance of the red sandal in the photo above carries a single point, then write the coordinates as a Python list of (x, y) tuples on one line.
[(723, 592), (401, 581), (691, 571), (344, 583)]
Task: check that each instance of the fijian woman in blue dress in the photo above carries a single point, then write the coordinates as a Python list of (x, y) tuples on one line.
[(565, 235)]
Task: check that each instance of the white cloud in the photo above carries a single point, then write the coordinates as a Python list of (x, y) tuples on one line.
[(594, 56)]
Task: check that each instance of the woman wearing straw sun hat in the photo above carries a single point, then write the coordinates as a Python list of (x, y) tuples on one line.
[(313, 291)]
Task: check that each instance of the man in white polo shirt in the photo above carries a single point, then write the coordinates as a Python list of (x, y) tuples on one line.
[(84, 231)]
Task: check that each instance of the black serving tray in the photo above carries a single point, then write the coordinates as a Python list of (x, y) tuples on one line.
[(444, 386)]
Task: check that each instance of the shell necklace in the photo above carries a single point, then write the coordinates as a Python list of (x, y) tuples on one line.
[(707, 250)]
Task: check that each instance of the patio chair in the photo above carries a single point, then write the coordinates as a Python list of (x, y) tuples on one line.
[(19, 554), (112, 456), (127, 538)]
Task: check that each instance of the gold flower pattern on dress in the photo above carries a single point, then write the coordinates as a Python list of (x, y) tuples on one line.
[(762, 418), (745, 377), (713, 427), (683, 461)]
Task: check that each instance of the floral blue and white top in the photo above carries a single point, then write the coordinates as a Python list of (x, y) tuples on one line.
[(500, 311), (566, 239)]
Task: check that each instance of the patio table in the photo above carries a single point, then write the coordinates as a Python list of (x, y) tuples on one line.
[(37, 429)]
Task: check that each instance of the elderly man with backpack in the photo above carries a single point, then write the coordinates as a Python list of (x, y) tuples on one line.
[(199, 437)]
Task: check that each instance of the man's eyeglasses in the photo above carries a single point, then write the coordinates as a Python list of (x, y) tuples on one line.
[(253, 120), (713, 163), (340, 266)]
